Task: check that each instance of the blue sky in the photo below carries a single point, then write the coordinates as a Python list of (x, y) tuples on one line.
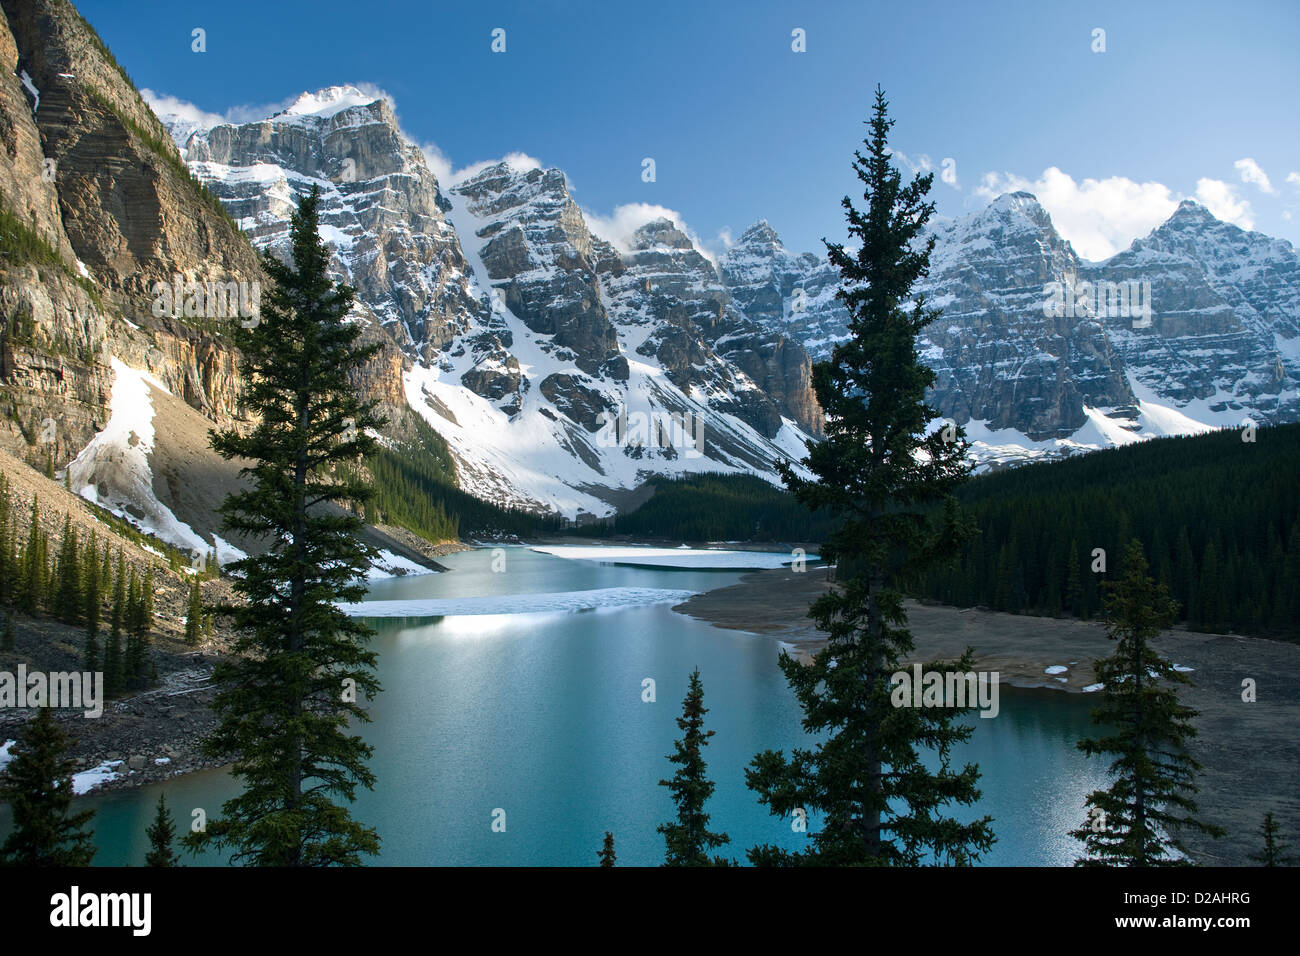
[(1189, 99)]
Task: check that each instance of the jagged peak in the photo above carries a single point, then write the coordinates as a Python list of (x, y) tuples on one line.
[(1018, 211), (1018, 202), (760, 233), (1191, 212), (661, 232), (512, 167)]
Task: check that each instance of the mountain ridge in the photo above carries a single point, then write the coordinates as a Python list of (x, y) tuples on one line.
[(562, 369)]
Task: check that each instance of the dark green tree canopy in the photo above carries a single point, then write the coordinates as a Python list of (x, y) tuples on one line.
[(880, 474), (689, 839), (38, 788), (1133, 822), (302, 667)]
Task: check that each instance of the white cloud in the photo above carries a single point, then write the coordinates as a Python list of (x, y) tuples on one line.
[(1221, 199), (921, 164), (438, 162), (1099, 217), (165, 106), (1293, 178), (1252, 173), (723, 239), (619, 227)]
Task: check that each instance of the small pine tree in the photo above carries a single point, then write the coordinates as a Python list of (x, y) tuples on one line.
[(114, 659), (7, 571), (194, 616), (162, 837), (689, 839), (93, 600), (606, 852), (32, 591), (105, 568), (135, 661), (1274, 853), (1129, 823), (146, 606), (69, 599), (1074, 583), (38, 788)]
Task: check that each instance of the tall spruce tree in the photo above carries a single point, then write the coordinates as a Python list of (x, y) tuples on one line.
[(1131, 822), (162, 837), (689, 839), (1074, 582), (38, 788), (880, 473), (286, 698)]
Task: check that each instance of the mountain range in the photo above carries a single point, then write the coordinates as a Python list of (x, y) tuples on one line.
[(561, 368)]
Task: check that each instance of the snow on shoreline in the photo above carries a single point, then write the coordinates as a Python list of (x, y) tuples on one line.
[(387, 564), (696, 558), (562, 602), (88, 780)]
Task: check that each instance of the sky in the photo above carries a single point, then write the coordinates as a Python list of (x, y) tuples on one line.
[(1110, 129)]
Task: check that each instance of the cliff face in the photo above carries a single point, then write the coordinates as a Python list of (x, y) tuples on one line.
[(94, 175), (384, 211)]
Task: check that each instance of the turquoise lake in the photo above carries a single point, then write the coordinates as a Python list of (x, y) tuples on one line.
[(541, 715)]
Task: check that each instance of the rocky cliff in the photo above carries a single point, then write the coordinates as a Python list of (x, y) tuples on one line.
[(1038, 351), (98, 209)]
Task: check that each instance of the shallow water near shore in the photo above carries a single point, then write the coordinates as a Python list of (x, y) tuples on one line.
[(541, 715)]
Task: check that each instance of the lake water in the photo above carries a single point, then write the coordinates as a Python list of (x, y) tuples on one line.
[(541, 715)]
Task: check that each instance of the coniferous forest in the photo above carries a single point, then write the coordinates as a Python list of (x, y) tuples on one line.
[(1219, 518)]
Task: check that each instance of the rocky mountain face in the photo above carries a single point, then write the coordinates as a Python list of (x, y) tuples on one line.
[(562, 372), (88, 172), (382, 210), (99, 214), (1036, 350)]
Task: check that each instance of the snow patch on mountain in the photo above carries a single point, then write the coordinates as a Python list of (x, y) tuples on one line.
[(113, 469)]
